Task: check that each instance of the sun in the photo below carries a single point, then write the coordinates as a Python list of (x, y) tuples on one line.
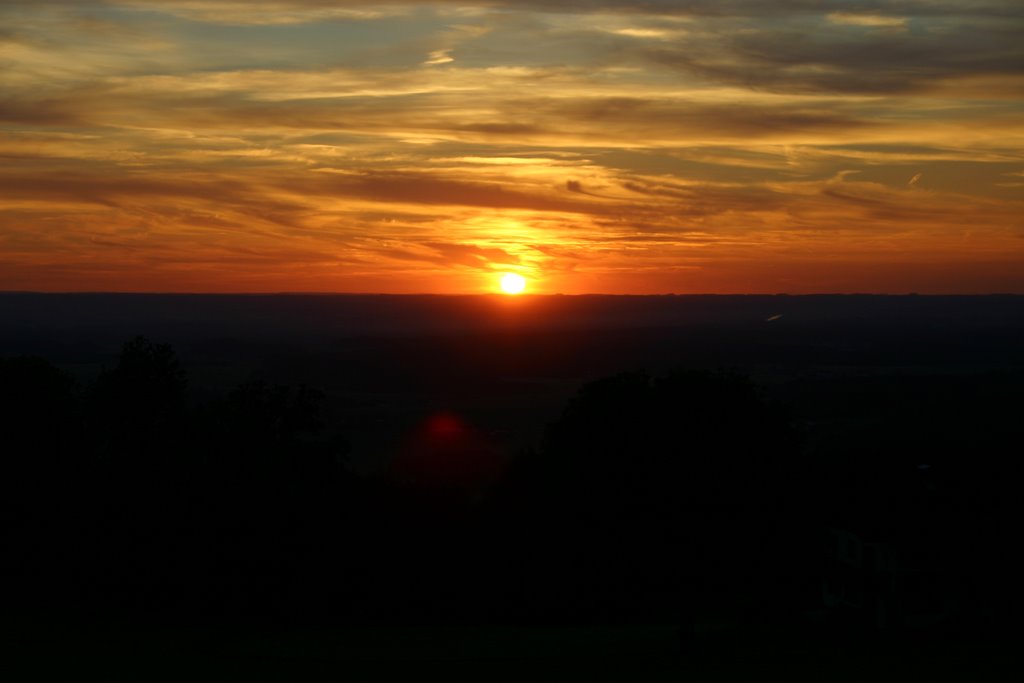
[(513, 283)]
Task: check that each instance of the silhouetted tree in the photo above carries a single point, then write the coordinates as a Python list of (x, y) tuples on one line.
[(274, 493), (649, 491), (41, 474), (39, 420), (140, 403)]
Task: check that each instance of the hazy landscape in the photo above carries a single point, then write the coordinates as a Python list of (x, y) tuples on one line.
[(465, 480), (388, 362)]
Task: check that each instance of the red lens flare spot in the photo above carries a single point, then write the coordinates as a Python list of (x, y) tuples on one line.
[(446, 453), (444, 425)]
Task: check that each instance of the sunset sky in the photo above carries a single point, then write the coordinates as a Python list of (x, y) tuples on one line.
[(609, 146)]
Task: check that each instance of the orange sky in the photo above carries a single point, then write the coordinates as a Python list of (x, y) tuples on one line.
[(613, 147)]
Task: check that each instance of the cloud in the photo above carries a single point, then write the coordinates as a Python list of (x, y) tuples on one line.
[(832, 58), (473, 256), (439, 57), (667, 145), (690, 8), (263, 12), (869, 20)]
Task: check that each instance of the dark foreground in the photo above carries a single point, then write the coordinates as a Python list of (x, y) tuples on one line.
[(495, 653), (601, 488)]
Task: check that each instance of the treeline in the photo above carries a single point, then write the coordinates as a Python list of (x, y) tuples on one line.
[(120, 497), (651, 499)]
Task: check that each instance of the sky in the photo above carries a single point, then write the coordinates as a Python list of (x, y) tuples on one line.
[(657, 146)]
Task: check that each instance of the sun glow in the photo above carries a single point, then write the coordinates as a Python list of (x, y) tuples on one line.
[(513, 283)]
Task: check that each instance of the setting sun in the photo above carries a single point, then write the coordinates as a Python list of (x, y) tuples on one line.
[(512, 283)]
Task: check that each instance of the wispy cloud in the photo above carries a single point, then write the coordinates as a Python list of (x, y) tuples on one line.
[(262, 12), (600, 145), (869, 20), (439, 57)]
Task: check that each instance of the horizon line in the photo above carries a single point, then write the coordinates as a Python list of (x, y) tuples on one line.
[(496, 294)]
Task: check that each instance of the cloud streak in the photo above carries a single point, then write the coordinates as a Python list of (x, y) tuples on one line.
[(419, 146)]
